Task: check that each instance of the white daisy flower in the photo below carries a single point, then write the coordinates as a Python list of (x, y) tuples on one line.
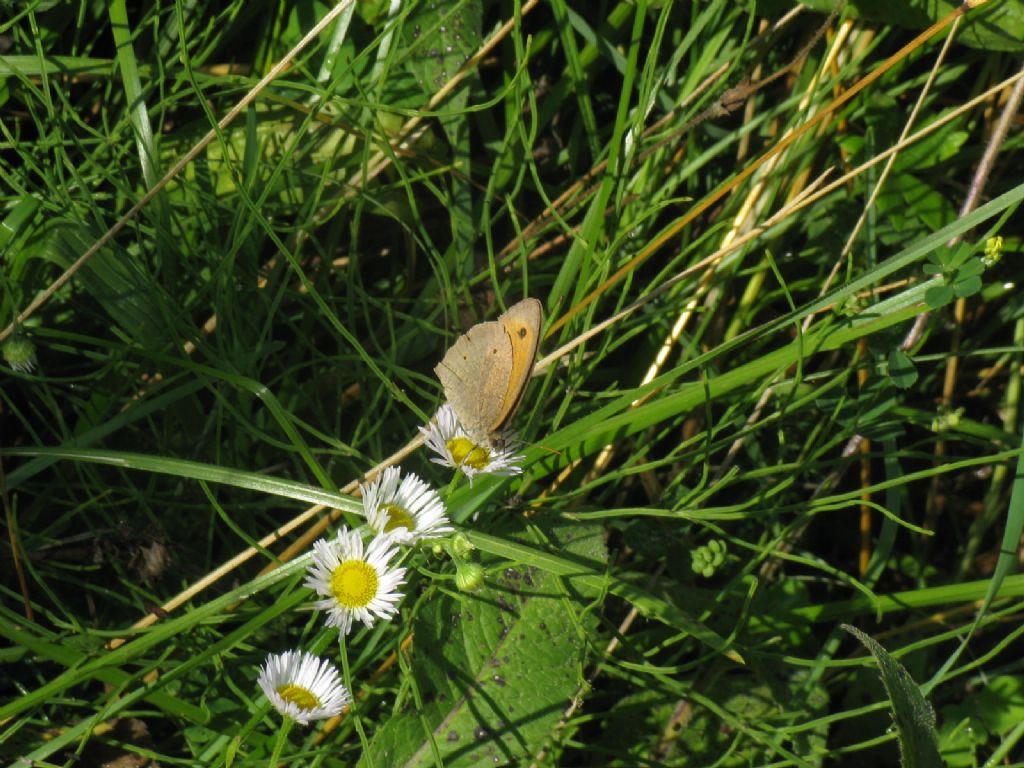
[(354, 585), (409, 511), (447, 438), (303, 687)]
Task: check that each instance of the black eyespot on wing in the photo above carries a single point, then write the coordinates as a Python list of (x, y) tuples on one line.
[(522, 333)]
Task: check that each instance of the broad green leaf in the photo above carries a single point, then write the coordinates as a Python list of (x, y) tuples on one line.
[(915, 718), (911, 204), (582, 571), (254, 481), (938, 296), (902, 370), (494, 671), (117, 280), (440, 38), (972, 268), (968, 287), (995, 710), (931, 151), (15, 223)]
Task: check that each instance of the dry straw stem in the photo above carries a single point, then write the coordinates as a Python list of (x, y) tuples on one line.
[(766, 395), (884, 175), (811, 195), (743, 223), (853, 446)]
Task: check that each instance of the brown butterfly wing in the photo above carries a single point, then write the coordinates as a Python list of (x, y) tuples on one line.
[(474, 373), (485, 372), (522, 324)]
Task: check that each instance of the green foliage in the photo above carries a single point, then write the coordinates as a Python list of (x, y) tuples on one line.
[(914, 716), (778, 704), (438, 38), (774, 439), (1000, 25), (707, 558), (901, 369), (493, 673), (994, 711), (959, 271)]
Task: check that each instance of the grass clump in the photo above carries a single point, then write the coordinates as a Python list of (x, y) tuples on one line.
[(777, 390)]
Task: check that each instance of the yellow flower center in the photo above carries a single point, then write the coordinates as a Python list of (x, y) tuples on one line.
[(398, 517), (465, 451), (296, 694), (354, 583)]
